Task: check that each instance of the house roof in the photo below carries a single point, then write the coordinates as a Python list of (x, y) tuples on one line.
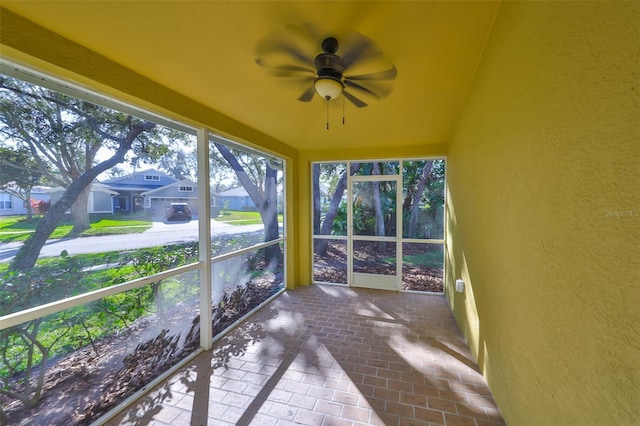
[(135, 177), (125, 187), (95, 187), (184, 182), (38, 189), (234, 192), (136, 181)]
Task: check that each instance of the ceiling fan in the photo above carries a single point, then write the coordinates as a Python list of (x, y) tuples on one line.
[(327, 74)]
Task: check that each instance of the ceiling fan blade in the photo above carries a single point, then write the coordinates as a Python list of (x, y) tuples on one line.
[(360, 48), (389, 74), (359, 87), (274, 46), (306, 32), (284, 70), (357, 102), (307, 95)]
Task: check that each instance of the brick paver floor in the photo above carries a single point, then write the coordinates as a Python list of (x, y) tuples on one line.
[(330, 355)]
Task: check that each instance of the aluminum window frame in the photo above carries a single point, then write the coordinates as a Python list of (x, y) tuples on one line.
[(348, 238), (205, 202)]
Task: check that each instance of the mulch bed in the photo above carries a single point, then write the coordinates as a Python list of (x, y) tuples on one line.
[(83, 385), (332, 268)]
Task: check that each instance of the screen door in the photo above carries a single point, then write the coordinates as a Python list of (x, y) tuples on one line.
[(375, 244)]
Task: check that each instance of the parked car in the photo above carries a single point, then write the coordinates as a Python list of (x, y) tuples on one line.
[(178, 211)]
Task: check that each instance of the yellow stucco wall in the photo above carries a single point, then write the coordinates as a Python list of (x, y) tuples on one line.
[(544, 219)]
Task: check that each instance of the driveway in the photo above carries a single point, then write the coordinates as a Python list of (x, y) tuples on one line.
[(160, 234)]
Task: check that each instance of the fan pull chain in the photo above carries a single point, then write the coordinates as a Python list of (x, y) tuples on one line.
[(343, 109), (327, 113)]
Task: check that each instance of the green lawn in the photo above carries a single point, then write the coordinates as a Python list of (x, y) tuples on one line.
[(18, 228), (238, 218), (430, 258)]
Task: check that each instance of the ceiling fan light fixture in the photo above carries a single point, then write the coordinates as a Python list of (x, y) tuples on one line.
[(328, 87)]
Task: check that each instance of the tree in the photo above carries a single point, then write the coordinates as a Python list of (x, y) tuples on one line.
[(317, 213), (261, 185), (29, 252), (417, 196), (67, 136), (19, 174), (377, 204), (423, 198), (180, 160), (336, 198), (64, 135)]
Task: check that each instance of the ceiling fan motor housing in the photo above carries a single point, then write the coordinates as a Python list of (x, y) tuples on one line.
[(329, 65)]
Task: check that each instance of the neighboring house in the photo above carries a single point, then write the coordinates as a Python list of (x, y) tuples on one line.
[(100, 197), (237, 199), (11, 205), (131, 187), (157, 200)]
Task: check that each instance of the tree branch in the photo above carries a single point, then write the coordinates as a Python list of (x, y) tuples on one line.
[(254, 193)]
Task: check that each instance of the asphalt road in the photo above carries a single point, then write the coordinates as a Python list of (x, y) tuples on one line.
[(160, 234)]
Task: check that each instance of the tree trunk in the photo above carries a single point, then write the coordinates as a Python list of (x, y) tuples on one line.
[(377, 205), (327, 223), (80, 211), (269, 214), (30, 250), (316, 199), (27, 203), (266, 203), (415, 205)]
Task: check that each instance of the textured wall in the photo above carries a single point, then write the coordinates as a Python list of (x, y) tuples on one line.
[(544, 225)]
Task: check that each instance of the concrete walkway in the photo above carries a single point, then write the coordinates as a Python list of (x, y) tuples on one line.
[(160, 234)]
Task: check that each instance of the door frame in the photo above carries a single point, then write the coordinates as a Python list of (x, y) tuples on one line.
[(367, 280)]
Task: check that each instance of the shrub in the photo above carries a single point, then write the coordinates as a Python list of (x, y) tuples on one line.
[(40, 206)]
